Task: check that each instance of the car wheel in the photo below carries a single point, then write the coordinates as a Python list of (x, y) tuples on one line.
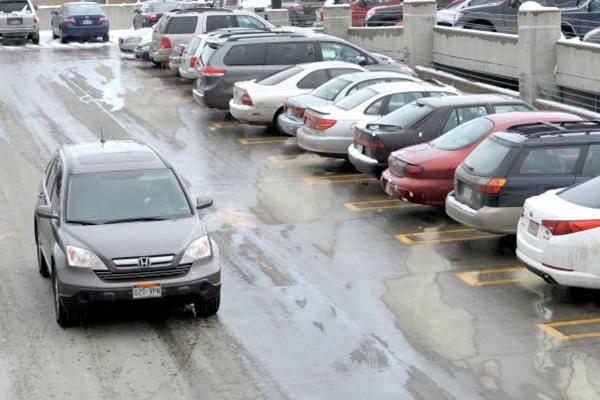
[(63, 39), (276, 121), (105, 38), (42, 268), (35, 40), (54, 35), (208, 308), (64, 317)]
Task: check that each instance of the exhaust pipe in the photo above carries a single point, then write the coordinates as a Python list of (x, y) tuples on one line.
[(548, 279)]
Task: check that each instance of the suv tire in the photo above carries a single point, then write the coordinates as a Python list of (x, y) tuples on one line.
[(35, 39), (63, 39), (207, 308), (64, 317), (105, 38)]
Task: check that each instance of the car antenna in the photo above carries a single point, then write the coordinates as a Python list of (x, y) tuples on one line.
[(102, 140)]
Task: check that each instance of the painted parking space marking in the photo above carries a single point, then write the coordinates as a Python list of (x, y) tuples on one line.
[(571, 330), (444, 236), (382, 204), (497, 276), (180, 99), (231, 125), (296, 158), (264, 140), (337, 178)]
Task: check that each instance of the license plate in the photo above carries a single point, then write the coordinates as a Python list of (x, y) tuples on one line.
[(147, 292), (360, 148), (87, 22), (533, 228), (15, 21), (467, 192)]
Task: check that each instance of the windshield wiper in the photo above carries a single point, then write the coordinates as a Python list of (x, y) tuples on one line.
[(82, 222), (135, 219)]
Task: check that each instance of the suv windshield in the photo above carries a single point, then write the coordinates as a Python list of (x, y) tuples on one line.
[(584, 194), (106, 197), (84, 9), (11, 6), (403, 117), (463, 135), (280, 76), (162, 7), (349, 102), (486, 158), (329, 90)]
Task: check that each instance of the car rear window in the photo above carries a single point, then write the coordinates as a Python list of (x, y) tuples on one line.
[(206, 53), (84, 9), (330, 90), (550, 160), (486, 158), (350, 102), (246, 54), (584, 194), (280, 76), (181, 25), (463, 135), (404, 117), (11, 6)]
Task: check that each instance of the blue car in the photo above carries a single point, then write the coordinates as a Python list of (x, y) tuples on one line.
[(83, 20), (578, 21)]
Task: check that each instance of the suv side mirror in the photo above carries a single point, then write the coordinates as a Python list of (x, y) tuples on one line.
[(203, 202), (45, 211)]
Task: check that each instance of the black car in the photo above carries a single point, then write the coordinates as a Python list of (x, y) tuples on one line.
[(151, 12), (421, 121), (113, 223), (302, 12), (384, 15), (492, 184)]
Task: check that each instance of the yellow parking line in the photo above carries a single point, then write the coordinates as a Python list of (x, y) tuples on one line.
[(550, 328), (229, 125), (180, 99), (337, 178), (368, 205), (405, 237), (470, 276), (296, 158), (263, 140)]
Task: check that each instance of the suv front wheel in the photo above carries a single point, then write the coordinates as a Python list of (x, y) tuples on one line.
[(207, 308)]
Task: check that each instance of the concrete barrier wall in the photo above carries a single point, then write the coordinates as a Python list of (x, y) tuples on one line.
[(485, 52), (385, 40), (120, 16), (578, 65)]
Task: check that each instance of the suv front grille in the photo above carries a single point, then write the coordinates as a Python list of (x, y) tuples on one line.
[(141, 274)]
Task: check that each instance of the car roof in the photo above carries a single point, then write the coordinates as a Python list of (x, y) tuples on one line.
[(112, 155), (527, 117), (468, 99), (278, 36), (75, 3), (391, 87), (367, 75), (547, 133)]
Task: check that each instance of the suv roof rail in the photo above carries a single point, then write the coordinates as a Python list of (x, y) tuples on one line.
[(543, 128), (239, 35), (200, 9), (227, 32), (267, 33)]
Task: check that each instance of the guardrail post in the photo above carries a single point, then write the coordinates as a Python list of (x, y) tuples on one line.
[(539, 30), (278, 17), (337, 20), (419, 21)]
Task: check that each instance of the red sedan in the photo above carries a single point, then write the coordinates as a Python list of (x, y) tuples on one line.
[(424, 174)]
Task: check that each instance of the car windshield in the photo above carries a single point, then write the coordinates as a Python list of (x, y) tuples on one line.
[(105, 197), (84, 9), (330, 90), (463, 135), (162, 7), (355, 99), (13, 6), (486, 158), (584, 194), (403, 117), (280, 76)]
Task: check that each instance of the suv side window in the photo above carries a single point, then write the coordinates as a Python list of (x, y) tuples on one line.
[(313, 80), (181, 25), (55, 195), (335, 72), (550, 160), (591, 167), (245, 21), (463, 114), (332, 51), (290, 53), (246, 54), (214, 22)]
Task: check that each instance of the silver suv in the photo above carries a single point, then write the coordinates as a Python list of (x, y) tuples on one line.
[(180, 27), (19, 20), (114, 223)]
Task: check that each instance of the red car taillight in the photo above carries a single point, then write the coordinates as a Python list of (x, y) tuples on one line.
[(317, 123), (165, 43), (558, 228), (298, 8), (371, 142), (246, 99), (102, 20), (152, 18), (70, 21), (493, 186), (36, 20), (193, 61), (208, 70)]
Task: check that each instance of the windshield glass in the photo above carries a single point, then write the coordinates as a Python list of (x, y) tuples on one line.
[(355, 99), (329, 90), (463, 135), (486, 158), (280, 76), (13, 6), (84, 9), (108, 196), (162, 7), (404, 117)]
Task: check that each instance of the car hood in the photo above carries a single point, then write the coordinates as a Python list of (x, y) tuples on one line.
[(135, 239)]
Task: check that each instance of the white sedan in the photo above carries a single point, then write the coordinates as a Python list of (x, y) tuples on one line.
[(558, 236), (260, 102), (329, 129)]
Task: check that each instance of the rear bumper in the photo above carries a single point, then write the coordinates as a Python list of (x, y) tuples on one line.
[(488, 219), (288, 124), (212, 98), (159, 57), (174, 62), (127, 46), (419, 191), (19, 31), (326, 145), (86, 31), (251, 115), (365, 164), (187, 73)]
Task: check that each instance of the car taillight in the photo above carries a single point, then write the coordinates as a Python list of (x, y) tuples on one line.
[(193, 61), (35, 20), (371, 142), (152, 18), (493, 186), (411, 169), (208, 70), (246, 99), (298, 8), (70, 21), (102, 20), (165, 43), (317, 123), (558, 228), (297, 112)]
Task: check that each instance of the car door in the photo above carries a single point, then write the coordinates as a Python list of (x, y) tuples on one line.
[(337, 51), (283, 54)]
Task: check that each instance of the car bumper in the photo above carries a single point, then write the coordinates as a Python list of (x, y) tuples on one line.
[(249, 114), (158, 57), (19, 31), (364, 164), (187, 73), (488, 219), (210, 99), (143, 55), (288, 124), (174, 63), (336, 146), (86, 31), (127, 47), (419, 191)]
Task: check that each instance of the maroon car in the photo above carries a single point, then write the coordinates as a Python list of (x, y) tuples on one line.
[(424, 173)]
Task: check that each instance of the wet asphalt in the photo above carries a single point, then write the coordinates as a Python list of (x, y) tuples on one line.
[(330, 290)]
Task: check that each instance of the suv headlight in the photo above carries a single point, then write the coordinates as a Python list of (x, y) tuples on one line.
[(79, 257), (196, 250)]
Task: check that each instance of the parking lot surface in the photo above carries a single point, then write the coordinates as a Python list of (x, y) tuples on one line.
[(330, 289)]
